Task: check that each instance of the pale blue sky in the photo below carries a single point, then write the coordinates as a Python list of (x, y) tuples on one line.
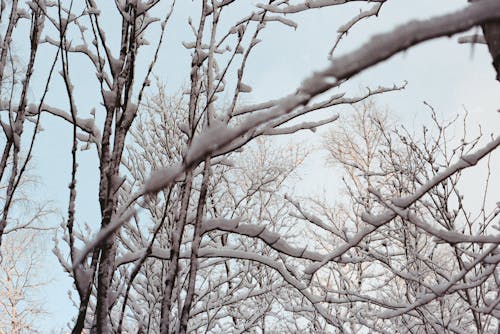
[(442, 72)]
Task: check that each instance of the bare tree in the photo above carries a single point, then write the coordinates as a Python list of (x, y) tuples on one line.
[(20, 281), (243, 185), (433, 242), (14, 86), (182, 214), (23, 221)]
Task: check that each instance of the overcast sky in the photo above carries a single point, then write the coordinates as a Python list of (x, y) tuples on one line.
[(448, 75)]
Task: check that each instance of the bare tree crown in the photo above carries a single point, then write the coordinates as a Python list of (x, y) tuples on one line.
[(198, 230)]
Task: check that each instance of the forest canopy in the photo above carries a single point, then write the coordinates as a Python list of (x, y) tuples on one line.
[(158, 147)]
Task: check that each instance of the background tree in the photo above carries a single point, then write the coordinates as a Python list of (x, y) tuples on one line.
[(246, 184), (23, 222), (21, 281), (426, 244), (15, 79)]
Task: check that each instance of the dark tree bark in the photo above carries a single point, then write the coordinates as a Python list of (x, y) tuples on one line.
[(491, 33)]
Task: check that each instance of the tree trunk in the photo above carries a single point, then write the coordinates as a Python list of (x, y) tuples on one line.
[(491, 33)]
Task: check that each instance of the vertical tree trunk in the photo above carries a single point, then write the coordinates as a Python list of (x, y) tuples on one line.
[(491, 31)]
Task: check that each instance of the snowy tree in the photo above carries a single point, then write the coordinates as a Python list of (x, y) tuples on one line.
[(242, 185), (21, 281), (203, 244), (15, 80), (430, 243), (23, 219)]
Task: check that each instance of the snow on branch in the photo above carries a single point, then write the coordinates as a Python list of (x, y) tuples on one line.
[(303, 214), (301, 126), (217, 137), (211, 252), (234, 299), (282, 270), (255, 107), (383, 46), (310, 4), (85, 124), (441, 289), (268, 18), (344, 29), (272, 239), (465, 161), (102, 235), (450, 237), (388, 215), (335, 100)]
